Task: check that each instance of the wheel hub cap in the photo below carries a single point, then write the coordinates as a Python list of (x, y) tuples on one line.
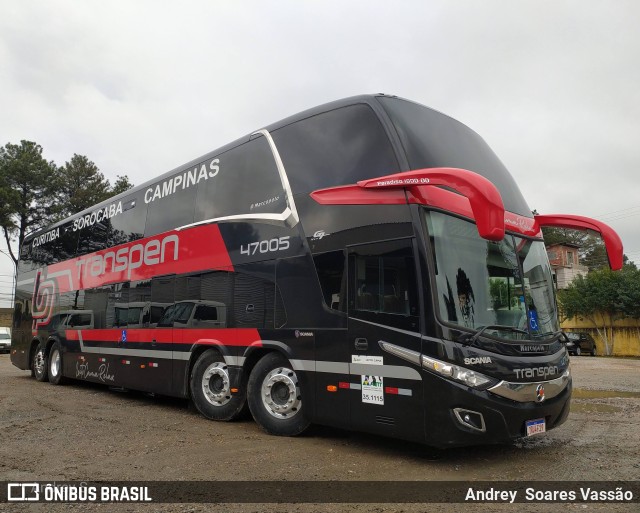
[(281, 393), (55, 363), (216, 384), (39, 362)]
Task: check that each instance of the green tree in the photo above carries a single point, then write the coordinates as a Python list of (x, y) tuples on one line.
[(122, 184), (602, 297), (562, 236), (82, 185), (28, 192)]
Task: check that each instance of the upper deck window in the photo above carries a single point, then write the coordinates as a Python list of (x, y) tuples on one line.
[(338, 147), (245, 181), (432, 139)]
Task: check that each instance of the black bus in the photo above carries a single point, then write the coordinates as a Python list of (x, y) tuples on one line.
[(368, 264)]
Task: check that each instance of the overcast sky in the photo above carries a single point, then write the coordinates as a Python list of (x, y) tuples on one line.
[(140, 87)]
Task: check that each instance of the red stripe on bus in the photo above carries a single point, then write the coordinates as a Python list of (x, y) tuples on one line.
[(200, 248), (222, 336)]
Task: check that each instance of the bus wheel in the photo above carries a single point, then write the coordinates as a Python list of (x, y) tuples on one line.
[(55, 365), (211, 388), (39, 363), (274, 397)]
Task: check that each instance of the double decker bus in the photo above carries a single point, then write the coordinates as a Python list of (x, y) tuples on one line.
[(367, 264)]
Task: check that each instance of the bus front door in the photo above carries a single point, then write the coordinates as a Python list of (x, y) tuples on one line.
[(383, 320)]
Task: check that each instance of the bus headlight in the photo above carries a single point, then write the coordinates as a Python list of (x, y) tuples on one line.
[(469, 377)]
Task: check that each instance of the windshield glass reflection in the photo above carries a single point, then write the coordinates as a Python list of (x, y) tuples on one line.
[(480, 283)]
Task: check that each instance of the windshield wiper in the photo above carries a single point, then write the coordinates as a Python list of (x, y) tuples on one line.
[(556, 336), (471, 339)]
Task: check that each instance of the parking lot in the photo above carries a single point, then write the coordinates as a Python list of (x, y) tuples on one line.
[(87, 432)]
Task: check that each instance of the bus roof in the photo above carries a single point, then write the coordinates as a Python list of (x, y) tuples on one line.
[(368, 99)]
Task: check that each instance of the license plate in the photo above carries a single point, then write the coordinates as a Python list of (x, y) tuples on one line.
[(535, 427)]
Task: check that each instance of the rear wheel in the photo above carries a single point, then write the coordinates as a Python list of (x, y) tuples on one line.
[(55, 365), (593, 351), (578, 351), (274, 397), (211, 389), (39, 363)]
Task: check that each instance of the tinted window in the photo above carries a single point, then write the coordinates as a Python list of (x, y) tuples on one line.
[(119, 222), (132, 312), (206, 313), (54, 245), (247, 182), (101, 302), (172, 211), (78, 320), (335, 148), (71, 300), (26, 264), (330, 268), (117, 307), (178, 313), (432, 139), (383, 284), (178, 295), (155, 314)]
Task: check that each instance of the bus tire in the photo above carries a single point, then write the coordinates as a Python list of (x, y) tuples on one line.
[(211, 388), (40, 364), (55, 365), (274, 397)]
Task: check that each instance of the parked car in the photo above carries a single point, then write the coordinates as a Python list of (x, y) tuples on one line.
[(580, 343), (5, 340), (70, 319)]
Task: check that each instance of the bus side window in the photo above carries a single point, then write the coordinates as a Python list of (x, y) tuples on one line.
[(330, 269), (162, 301), (383, 284)]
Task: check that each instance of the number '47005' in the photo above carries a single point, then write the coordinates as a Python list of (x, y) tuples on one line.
[(265, 246)]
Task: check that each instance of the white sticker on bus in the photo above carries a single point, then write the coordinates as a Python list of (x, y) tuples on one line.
[(372, 390), (363, 358)]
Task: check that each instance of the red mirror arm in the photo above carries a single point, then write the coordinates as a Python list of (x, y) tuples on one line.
[(484, 198), (611, 239)]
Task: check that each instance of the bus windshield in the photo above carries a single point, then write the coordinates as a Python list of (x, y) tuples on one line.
[(504, 287)]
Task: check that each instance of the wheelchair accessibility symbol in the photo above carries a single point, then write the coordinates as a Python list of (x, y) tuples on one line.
[(124, 336), (533, 320)]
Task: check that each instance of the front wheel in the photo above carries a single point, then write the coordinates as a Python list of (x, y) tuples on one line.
[(274, 397), (211, 389), (593, 351), (578, 351)]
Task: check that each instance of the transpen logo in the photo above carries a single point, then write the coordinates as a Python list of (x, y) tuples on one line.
[(127, 258), (43, 301)]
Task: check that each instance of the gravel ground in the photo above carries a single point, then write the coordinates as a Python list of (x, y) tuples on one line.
[(82, 432)]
